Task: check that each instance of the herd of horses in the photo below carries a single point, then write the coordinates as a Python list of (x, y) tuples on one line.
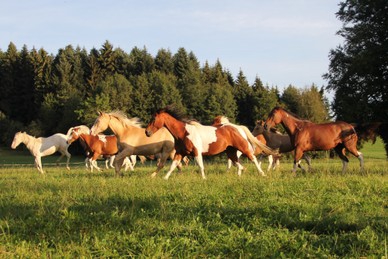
[(171, 134)]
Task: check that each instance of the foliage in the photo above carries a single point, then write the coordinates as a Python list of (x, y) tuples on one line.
[(308, 103), (358, 71), (48, 94)]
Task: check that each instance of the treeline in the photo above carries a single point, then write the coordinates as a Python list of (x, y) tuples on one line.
[(44, 94)]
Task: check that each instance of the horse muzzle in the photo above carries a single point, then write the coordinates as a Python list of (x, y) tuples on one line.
[(148, 133)]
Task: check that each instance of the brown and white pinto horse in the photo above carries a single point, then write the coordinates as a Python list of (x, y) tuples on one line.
[(223, 120), (194, 139), (101, 145), (308, 136), (74, 133)]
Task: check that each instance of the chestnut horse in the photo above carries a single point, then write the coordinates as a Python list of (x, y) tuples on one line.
[(195, 139), (132, 140), (276, 140), (308, 136), (223, 120)]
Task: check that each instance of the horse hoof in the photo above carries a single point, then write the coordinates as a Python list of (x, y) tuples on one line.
[(153, 175)]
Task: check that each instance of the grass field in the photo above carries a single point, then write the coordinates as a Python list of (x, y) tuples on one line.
[(78, 214)]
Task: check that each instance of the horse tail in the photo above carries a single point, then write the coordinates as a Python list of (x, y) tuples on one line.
[(255, 142)]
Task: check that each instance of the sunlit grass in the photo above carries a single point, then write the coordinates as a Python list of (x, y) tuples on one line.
[(322, 213)]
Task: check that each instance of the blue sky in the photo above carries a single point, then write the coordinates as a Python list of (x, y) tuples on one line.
[(280, 41)]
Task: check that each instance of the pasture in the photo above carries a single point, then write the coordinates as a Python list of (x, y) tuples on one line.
[(80, 214)]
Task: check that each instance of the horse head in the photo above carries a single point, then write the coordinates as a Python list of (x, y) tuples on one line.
[(259, 128), (73, 136), (18, 138), (156, 123), (274, 118), (101, 123)]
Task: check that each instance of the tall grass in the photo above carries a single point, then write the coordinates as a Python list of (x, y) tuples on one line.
[(79, 214)]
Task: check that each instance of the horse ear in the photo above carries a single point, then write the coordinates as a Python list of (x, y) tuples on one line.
[(99, 112)]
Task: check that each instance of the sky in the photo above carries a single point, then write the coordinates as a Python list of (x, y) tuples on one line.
[(282, 42)]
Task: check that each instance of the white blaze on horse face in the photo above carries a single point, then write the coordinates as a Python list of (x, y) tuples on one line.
[(201, 136)]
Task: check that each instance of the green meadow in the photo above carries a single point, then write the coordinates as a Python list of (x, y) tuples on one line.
[(75, 213)]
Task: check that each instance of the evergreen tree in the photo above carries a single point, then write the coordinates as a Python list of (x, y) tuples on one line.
[(140, 61), (164, 90), (143, 101), (107, 60), (164, 62), (358, 70), (291, 98), (312, 105), (264, 100), (243, 96)]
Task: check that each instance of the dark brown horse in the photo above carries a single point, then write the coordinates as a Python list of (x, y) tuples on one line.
[(308, 136), (275, 140)]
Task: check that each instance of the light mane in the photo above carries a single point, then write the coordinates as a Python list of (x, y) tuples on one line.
[(122, 117), (224, 120)]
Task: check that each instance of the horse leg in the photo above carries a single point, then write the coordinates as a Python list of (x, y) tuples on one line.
[(308, 160), (297, 156), (270, 162), (93, 162), (132, 158), (128, 164), (161, 162), (199, 160), (175, 162), (68, 156), (38, 164), (118, 162), (254, 160), (351, 146), (233, 157), (340, 150), (87, 162)]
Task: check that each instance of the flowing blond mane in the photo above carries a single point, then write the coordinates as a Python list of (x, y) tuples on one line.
[(122, 117)]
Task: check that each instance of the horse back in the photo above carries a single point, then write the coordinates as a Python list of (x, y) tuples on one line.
[(324, 136)]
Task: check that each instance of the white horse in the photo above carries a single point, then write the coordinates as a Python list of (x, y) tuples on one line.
[(40, 147)]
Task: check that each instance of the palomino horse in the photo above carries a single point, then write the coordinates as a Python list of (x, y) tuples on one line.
[(308, 136), (275, 140), (222, 120), (96, 146), (194, 139), (40, 147), (132, 140)]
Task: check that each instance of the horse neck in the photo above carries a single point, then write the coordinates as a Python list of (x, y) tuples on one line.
[(176, 127), (86, 138), (290, 123), (29, 140), (116, 126)]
